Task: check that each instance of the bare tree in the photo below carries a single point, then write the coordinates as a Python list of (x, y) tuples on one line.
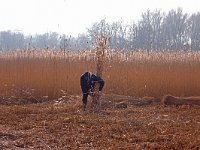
[(194, 28)]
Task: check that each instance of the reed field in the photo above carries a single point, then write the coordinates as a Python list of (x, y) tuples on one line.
[(41, 104), (137, 73)]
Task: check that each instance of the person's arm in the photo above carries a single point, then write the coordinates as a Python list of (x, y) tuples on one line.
[(95, 79)]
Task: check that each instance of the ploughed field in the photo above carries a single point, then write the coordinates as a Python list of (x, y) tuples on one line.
[(124, 122)]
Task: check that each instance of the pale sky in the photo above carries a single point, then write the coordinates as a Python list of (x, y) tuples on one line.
[(74, 16)]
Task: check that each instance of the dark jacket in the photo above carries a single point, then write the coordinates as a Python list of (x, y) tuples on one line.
[(88, 81)]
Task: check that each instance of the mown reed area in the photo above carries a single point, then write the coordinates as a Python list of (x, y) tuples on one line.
[(63, 126), (52, 73)]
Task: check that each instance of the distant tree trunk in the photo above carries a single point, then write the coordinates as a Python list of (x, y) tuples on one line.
[(101, 46)]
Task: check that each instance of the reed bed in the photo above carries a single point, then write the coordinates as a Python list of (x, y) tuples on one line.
[(45, 72)]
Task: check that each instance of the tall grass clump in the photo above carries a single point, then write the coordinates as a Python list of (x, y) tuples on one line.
[(101, 47)]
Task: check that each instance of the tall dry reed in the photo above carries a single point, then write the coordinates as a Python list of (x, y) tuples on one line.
[(48, 73)]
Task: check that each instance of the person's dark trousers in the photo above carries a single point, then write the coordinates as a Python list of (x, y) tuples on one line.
[(85, 90)]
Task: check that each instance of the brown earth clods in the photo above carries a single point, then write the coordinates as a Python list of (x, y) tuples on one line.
[(123, 122)]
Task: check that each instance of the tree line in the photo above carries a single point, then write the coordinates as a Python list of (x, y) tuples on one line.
[(155, 30)]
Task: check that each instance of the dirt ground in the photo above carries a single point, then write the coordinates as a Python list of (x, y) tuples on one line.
[(123, 122)]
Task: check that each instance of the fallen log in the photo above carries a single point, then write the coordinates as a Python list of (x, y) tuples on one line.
[(172, 100), (121, 105)]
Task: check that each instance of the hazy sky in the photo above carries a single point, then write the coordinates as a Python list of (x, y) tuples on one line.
[(74, 16)]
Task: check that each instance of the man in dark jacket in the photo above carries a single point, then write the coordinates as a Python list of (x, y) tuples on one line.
[(88, 81)]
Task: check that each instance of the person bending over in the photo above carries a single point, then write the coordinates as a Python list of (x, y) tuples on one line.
[(87, 81)]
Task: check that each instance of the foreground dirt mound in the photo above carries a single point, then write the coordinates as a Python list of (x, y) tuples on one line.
[(172, 100)]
